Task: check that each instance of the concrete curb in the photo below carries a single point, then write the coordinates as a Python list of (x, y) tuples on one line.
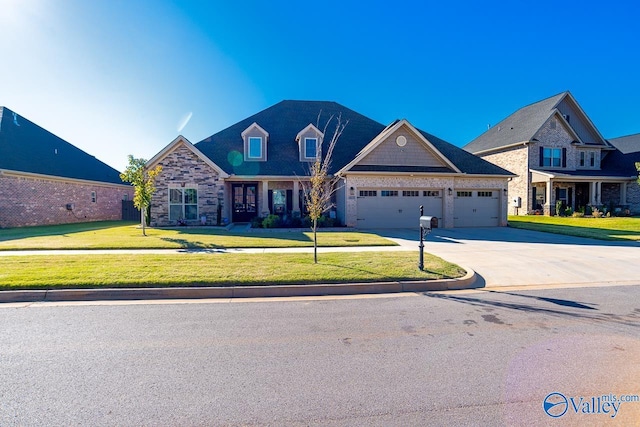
[(110, 294)]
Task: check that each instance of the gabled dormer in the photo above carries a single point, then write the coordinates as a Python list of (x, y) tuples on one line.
[(309, 142), (255, 143)]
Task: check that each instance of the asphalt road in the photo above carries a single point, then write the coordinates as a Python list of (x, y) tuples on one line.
[(451, 358)]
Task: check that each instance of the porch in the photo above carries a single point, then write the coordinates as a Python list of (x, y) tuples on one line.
[(579, 193)]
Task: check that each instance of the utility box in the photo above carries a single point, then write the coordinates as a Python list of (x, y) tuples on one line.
[(428, 222), (516, 202)]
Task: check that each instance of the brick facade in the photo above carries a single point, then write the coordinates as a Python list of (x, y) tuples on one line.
[(28, 200)]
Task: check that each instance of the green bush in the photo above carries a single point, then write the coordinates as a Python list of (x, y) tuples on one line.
[(559, 207), (256, 222), (568, 212), (272, 221)]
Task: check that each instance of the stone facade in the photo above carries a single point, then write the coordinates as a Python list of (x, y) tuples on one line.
[(39, 200), (180, 167), (515, 160)]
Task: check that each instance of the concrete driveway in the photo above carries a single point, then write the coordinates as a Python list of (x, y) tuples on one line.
[(503, 256)]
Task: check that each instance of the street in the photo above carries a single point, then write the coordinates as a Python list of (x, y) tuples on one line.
[(481, 357)]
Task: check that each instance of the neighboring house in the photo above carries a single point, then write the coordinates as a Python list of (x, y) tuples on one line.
[(254, 168), (625, 157), (45, 180), (557, 154)]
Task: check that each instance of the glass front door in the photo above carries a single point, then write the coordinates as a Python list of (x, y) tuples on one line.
[(245, 202)]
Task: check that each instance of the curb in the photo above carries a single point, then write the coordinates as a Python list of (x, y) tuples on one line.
[(113, 294)]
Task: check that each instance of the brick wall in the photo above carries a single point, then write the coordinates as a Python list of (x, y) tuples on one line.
[(515, 160), (27, 201)]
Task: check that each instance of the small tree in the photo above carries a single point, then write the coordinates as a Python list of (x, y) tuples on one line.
[(143, 182), (638, 169), (319, 189)]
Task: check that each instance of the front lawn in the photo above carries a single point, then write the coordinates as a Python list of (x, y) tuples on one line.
[(614, 228), (96, 271), (127, 235)]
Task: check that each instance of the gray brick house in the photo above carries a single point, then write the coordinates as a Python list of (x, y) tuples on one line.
[(558, 154), (254, 168), (45, 180)]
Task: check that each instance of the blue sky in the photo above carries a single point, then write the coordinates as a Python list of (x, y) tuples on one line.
[(126, 77)]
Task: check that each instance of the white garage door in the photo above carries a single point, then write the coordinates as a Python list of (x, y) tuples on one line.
[(476, 208), (397, 208)]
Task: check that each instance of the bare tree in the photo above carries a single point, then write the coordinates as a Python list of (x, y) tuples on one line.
[(320, 187)]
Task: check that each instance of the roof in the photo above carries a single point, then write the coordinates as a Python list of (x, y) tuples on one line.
[(520, 126), (284, 120), (26, 147), (627, 144)]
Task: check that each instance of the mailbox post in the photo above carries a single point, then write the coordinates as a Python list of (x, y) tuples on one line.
[(426, 222)]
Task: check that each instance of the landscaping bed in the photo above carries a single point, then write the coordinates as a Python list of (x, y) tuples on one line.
[(607, 228)]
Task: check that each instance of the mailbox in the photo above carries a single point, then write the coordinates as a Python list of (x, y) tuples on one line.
[(428, 222)]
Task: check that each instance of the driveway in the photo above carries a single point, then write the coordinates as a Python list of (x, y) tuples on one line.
[(504, 256)]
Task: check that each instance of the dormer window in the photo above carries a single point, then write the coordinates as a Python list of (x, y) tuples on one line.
[(255, 147), (310, 148), (255, 143), (309, 142)]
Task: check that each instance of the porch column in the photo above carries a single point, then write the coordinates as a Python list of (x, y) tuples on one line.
[(547, 198), (623, 193), (265, 198), (296, 199), (593, 190), (598, 193)]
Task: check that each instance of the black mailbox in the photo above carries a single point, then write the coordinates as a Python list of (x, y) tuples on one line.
[(428, 222)]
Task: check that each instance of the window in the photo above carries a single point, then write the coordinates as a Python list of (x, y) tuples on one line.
[(464, 193), (93, 197), (389, 193), (485, 193), (279, 200), (592, 159), (368, 193), (552, 157), (588, 159), (183, 203), (310, 148), (431, 193), (583, 155), (255, 147), (410, 193)]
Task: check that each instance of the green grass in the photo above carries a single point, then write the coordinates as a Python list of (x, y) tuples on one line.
[(127, 235), (95, 271), (614, 228)]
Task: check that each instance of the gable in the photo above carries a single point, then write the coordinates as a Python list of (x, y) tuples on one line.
[(403, 148), (180, 150), (556, 129), (579, 121)]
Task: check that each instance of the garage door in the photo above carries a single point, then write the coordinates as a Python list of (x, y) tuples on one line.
[(396, 208), (476, 208)]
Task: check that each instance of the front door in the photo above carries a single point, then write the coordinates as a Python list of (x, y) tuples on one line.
[(245, 202)]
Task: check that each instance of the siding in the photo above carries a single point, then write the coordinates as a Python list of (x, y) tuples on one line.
[(577, 122), (414, 153)]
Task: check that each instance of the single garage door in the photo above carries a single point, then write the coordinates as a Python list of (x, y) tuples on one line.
[(396, 208), (476, 208)]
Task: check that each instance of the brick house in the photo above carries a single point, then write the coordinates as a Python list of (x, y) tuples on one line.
[(254, 168), (45, 180), (558, 154)]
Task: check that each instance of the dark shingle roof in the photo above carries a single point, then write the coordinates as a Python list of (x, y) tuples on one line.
[(518, 127), (26, 147), (627, 144), (283, 121)]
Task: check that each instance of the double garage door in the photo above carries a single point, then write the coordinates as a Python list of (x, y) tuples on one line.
[(400, 208), (397, 208)]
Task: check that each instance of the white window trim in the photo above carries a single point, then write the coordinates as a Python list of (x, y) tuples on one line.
[(306, 156), (552, 149), (249, 156), (183, 187)]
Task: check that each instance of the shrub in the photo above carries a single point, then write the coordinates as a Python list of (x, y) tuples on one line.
[(256, 222), (568, 212), (578, 215), (559, 207), (596, 213), (271, 221)]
